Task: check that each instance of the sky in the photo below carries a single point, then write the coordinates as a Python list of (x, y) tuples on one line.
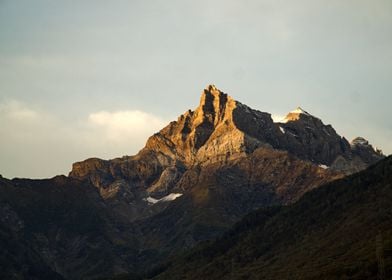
[(92, 78)]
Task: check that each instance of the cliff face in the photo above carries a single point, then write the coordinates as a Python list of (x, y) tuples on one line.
[(220, 129), (206, 135)]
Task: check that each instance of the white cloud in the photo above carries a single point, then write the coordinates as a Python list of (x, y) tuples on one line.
[(125, 125), (36, 144), (15, 110)]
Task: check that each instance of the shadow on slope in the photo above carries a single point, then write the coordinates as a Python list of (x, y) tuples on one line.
[(339, 231)]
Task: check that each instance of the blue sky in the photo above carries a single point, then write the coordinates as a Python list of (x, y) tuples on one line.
[(94, 78)]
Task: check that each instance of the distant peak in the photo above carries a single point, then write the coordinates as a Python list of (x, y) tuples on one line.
[(362, 143), (359, 141), (295, 115), (299, 110)]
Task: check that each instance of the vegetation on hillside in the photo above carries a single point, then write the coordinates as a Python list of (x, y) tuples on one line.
[(340, 231)]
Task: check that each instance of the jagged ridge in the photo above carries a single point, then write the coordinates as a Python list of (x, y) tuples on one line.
[(222, 128)]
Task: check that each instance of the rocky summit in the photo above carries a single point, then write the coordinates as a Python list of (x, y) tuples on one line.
[(191, 182), (221, 129)]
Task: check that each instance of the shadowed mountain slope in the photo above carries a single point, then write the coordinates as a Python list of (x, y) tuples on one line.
[(338, 231)]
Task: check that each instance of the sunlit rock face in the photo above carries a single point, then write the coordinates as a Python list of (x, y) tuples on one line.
[(220, 129), (204, 135)]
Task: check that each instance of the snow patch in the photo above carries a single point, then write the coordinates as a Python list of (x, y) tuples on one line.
[(169, 197), (151, 200), (277, 118), (282, 130), (323, 166), (293, 115), (326, 131), (291, 133)]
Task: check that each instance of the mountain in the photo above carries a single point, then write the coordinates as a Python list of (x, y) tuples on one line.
[(218, 131), (339, 231), (191, 182)]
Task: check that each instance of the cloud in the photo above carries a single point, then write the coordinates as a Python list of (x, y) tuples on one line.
[(37, 144), (15, 110), (121, 125)]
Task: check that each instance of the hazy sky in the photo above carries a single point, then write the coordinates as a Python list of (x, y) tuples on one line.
[(95, 78)]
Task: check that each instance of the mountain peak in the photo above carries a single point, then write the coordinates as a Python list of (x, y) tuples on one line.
[(299, 110), (211, 87), (367, 151), (296, 114), (359, 141), (211, 91), (212, 94), (221, 128), (215, 105)]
